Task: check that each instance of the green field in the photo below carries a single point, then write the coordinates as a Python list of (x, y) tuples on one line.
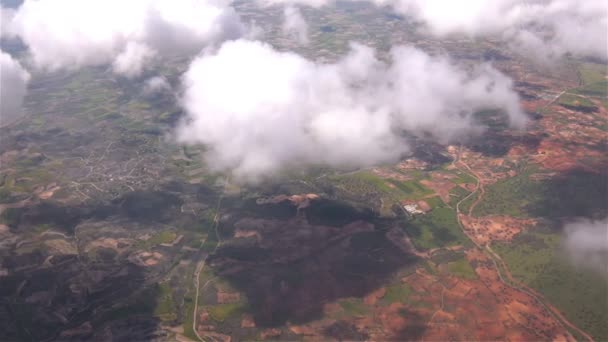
[(575, 194), (457, 194), (155, 300), (165, 306), (189, 317), (537, 259), (510, 196), (353, 307), (222, 312), (368, 186), (188, 308), (464, 177), (573, 101), (397, 189), (594, 81), (437, 228), (461, 268), (599, 89), (162, 237), (412, 190), (397, 293), (591, 73), (10, 216)]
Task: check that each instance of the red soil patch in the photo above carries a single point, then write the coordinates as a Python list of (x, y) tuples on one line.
[(494, 228), (228, 297), (441, 183), (372, 298)]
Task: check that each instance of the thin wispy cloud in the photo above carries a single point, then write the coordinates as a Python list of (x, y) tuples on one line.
[(553, 27)]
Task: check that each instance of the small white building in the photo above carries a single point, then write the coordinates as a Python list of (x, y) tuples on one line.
[(413, 209)]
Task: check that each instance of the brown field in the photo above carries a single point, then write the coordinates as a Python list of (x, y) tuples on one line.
[(554, 155), (228, 297), (388, 173), (494, 228), (442, 183)]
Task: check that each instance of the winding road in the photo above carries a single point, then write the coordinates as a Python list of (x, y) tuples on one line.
[(201, 265), (494, 257)]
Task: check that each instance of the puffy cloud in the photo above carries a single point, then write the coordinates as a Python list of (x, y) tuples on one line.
[(577, 27), (73, 33), (587, 243), (132, 60), (13, 86), (260, 111), (312, 3), (553, 26), (156, 85), (294, 25)]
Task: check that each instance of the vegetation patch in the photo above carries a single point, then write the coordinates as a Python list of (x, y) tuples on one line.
[(430, 267), (510, 196), (461, 268), (435, 202), (599, 89), (368, 186), (591, 73), (144, 304), (41, 228), (208, 246), (438, 228), (165, 306), (353, 307), (222, 312), (445, 255), (576, 102), (537, 260), (464, 177), (457, 194), (397, 293), (575, 194), (411, 189), (162, 237), (6, 195), (189, 318), (11, 217), (188, 307)]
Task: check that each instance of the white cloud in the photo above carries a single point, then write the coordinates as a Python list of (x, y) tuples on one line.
[(557, 26), (73, 33), (294, 25), (261, 111), (156, 85), (554, 26), (131, 61), (13, 86), (312, 3), (587, 244), (6, 18)]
